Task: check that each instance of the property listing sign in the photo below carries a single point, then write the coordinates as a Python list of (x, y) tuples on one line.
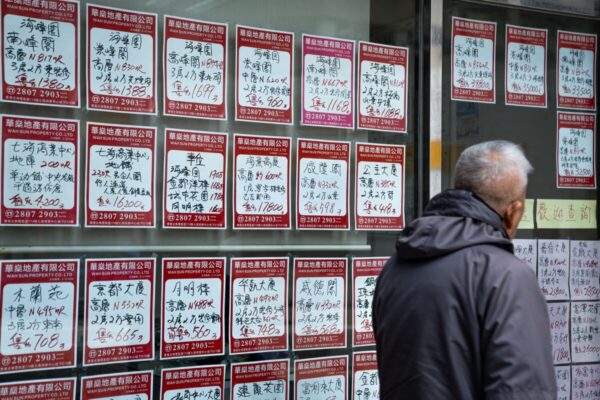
[(195, 68), (526, 250), (119, 310), (40, 171), (563, 382), (585, 331), (38, 314), (559, 332), (205, 382), (262, 380), (365, 376), (327, 82), (258, 305), (585, 270), (261, 184), (193, 307), (121, 60), (320, 289), (124, 386), (322, 185), (576, 70), (382, 87), (321, 378), (55, 389), (195, 173), (576, 150), (120, 176), (379, 186), (365, 271), (525, 66), (553, 268), (584, 381), (40, 47), (473, 60)]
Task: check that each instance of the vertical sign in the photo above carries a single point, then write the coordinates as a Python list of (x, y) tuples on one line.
[(473, 60), (121, 60), (124, 386), (382, 87), (195, 68), (563, 382), (379, 187), (262, 380), (38, 314), (585, 331), (194, 180), (120, 176), (365, 271), (40, 47), (327, 82), (553, 268), (205, 382), (55, 389), (321, 378), (319, 303), (264, 78), (526, 250), (119, 310), (193, 307), (559, 329), (525, 66), (576, 150), (322, 185), (365, 377), (584, 380), (261, 184), (576, 70), (258, 305), (585, 270), (40, 171)]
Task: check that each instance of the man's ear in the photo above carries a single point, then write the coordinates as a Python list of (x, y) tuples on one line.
[(512, 216)]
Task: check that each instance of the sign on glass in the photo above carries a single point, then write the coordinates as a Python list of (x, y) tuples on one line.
[(553, 268), (365, 271), (124, 386), (365, 377), (576, 150), (321, 378), (559, 332), (55, 389), (199, 383), (585, 331), (576, 70), (261, 380)]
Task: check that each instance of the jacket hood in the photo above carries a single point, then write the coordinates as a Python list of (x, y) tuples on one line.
[(453, 220)]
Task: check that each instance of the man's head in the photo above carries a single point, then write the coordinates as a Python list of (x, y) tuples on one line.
[(496, 171)]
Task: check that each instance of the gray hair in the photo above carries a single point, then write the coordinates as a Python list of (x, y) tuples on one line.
[(496, 171)]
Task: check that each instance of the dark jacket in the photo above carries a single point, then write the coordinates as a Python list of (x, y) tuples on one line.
[(456, 315)]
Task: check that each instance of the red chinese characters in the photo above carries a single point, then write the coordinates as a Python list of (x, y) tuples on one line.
[(576, 70), (205, 382), (269, 378), (365, 377), (321, 378), (55, 389), (135, 385), (576, 150), (365, 271)]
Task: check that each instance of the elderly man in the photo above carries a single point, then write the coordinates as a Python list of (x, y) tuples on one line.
[(456, 315)]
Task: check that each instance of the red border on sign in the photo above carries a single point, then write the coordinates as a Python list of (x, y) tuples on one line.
[(575, 103), (362, 361), (207, 375), (307, 369), (261, 371), (98, 390), (31, 389), (360, 339), (588, 122)]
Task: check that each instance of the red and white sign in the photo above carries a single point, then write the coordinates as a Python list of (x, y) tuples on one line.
[(576, 150), (258, 305), (40, 47), (379, 185), (38, 314), (365, 271), (327, 82), (365, 376), (264, 77), (119, 310), (261, 380), (382, 87), (473, 60), (320, 288), (195, 68), (120, 176), (121, 60), (55, 389), (40, 171), (205, 382), (193, 307), (525, 66), (128, 385), (195, 180), (576, 70), (261, 184), (322, 185), (321, 378)]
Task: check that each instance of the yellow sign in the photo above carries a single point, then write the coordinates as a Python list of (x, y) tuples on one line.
[(565, 214), (527, 220)]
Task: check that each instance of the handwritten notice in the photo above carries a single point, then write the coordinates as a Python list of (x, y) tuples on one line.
[(258, 305), (559, 330), (193, 307), (585, 270), (327, 82), (125, 386), (321, 378), (195, 68), (365, 271), (576, 70), (121, 60), (379, 185), (41, 52), (55, 389), (262, 182), (40, 171), (38, 314), (565, 214), (322, 185), (119, 310), (262, 380), (585, 331), (526, 250), (563, 382), (194, 185), (319, 303), (120, 176), (576, 152), (264, 84), (365, 377), (528, 220), (203, 383), (473, 60), (553, 268), (585, 379)]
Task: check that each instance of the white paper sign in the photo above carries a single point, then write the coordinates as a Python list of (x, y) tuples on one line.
[(553, 268), (584, 379), (559, 329), (526, 250), (319, 305), (585, 331), (585, 270), (563, 382)]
